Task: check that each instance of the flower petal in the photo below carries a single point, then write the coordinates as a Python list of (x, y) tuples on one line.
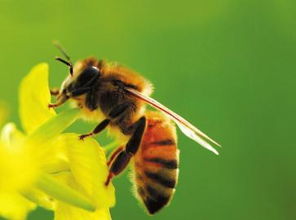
[(26, 155), (62, 192), (18, 169), (88, 166), (34, 97), (10, 135), (38, 197), (66, 212), (14, 206)]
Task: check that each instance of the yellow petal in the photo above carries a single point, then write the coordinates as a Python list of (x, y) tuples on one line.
[(15, 158), (63, 192), (10, 135), (38, 197), (88, 166), (34, 97), (41, 140), (14, 206), (66, 212), (26, 155)]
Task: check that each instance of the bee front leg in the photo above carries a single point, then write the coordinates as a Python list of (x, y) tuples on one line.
[(54, 91), (122, 159), (114, 113), (61, 99), (97, 129)]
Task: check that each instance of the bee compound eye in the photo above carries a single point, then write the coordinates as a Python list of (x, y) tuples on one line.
[(91, 71), (88, 75)]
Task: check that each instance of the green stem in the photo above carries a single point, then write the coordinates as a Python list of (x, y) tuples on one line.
[(55, 125)]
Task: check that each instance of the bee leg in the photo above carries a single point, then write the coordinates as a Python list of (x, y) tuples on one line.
[(61, 99), (132, 146), (113, 155), (54, 92), (134, 142), (97, 129), (118, 165)]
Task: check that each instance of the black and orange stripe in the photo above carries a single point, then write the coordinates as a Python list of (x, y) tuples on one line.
[(169, 164), (156, 163)]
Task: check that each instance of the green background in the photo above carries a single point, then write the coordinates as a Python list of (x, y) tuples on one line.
[(226, 65)]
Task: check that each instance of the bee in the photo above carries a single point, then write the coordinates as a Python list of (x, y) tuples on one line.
[(116, 97)]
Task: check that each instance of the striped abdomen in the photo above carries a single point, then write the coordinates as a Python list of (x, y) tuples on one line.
[(156, 163)]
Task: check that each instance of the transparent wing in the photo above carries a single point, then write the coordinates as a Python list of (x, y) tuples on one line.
[(186, 127)]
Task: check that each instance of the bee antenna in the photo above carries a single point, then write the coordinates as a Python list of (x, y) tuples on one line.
[(67, 63), (68, 60), (61, 49)]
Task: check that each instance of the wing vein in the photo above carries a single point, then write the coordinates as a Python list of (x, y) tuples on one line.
[(186, 127)]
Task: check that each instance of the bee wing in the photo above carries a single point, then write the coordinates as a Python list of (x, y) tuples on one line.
[(186, 127)]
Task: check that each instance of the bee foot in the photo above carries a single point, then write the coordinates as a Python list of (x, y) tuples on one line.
[(52, 105), (82, 137), (110, 176), (54, 92)]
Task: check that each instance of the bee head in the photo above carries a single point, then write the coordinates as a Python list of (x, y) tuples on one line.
[(79, 81)]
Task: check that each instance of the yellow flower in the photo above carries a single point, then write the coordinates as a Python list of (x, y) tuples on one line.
[(87, 164), (12, 178), (47, 168)]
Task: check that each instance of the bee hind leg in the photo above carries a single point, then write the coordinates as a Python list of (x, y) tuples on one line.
[(134, 142), (113, 155), (123, 157), (119, 164), (97, 129)]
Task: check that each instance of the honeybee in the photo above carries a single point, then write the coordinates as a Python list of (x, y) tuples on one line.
[(116, 97)]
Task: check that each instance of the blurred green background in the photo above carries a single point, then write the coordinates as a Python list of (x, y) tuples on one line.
[(226, 65)]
